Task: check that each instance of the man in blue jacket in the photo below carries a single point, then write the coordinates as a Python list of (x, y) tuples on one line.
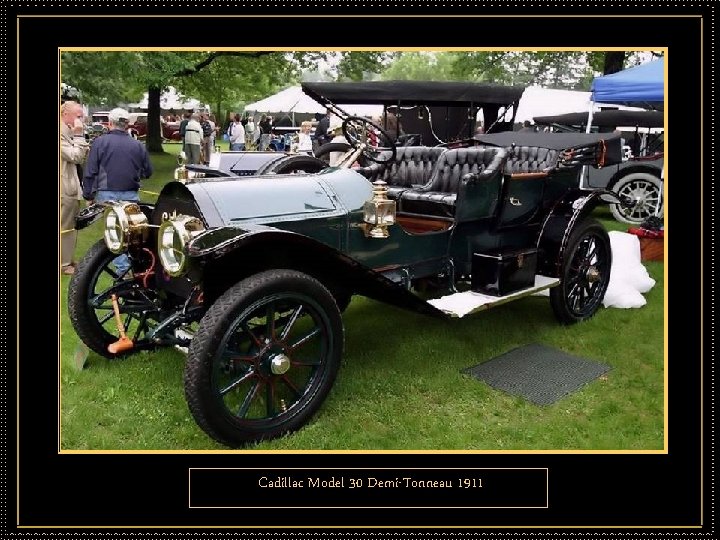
[(115, 166)]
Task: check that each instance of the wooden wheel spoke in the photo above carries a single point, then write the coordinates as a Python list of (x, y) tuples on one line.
[(245, 406), (303, 340), (291, 322), (291, 385)]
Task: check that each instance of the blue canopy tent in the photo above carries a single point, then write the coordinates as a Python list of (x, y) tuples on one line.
[(639, 86)]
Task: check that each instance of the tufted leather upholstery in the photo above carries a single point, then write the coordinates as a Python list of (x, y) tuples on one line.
[(413, 165), (523, 159), (439, 196)]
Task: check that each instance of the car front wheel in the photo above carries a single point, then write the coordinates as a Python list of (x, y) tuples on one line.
[(90, 302), (264, 357), (585, 273)]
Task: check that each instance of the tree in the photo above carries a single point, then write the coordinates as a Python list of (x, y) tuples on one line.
[(421, 66), (355, 65), (112, 77)]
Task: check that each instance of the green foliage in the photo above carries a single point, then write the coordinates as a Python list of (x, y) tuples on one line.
[(551, 69), (356, 65), (422, 66), (108, 78), (231, 80)]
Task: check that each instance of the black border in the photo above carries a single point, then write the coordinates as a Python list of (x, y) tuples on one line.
[(585, 489)]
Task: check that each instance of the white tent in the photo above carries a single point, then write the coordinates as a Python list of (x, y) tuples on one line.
[(294, 100), (537, 101), (171, 100)]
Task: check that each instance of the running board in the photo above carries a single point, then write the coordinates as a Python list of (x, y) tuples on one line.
[(460, 304)]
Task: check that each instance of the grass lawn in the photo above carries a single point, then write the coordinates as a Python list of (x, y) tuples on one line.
[(397, 390)]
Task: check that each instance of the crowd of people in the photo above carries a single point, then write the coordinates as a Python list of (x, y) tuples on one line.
[(112, 167)]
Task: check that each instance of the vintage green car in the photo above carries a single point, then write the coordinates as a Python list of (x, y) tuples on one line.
[(250, 275)]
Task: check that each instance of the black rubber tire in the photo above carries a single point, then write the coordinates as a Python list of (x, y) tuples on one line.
[(295, 163), (586, 234), (324, 150), (225, 328), (82, 315)]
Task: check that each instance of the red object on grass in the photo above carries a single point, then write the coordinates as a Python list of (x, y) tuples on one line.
[(646, 233)]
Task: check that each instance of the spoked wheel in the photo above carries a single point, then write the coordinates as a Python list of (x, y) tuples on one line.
[(361, 131), (90, 305), (264, 357), (585, 274), (645, 191)]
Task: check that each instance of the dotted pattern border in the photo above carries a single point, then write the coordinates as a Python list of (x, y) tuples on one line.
[(4, 257)]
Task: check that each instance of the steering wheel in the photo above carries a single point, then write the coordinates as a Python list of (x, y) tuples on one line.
[(358, 131)]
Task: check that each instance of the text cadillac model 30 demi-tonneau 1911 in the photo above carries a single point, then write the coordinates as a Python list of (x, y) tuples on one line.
[(250, 275)]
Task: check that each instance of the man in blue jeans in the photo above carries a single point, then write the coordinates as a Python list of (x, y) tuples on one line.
[(114, 168)]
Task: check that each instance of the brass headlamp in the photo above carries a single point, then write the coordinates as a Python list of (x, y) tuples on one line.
[(173, 237), (379, 212), (125, 224)]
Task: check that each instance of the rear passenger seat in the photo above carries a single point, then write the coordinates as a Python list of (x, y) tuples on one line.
[(439, 196), (529, 159)]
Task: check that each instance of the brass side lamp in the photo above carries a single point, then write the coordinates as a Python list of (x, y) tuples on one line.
[(379, 212), (181, 173)]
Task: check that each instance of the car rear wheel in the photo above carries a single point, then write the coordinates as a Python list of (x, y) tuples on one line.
[(299, 163), (324, 151), (644, 189), (90, 306), (264, 357), (585, 273)]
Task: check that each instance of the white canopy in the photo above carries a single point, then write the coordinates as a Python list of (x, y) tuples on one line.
[(171, 100), (537, 101), (294, 100)]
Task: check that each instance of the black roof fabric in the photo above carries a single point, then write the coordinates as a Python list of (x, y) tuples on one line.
[(412, 93), (554, 141), (650, 119)]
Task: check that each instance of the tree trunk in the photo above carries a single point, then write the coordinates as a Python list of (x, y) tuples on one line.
[(614, 61), (154, 133)]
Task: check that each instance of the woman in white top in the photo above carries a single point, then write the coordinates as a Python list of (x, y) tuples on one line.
[(237, 135), (304, 140)]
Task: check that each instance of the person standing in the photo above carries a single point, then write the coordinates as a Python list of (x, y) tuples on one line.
[(115, 166), (304, 140), (207, 131), (249, 132), (321, 130), (237, 135), (265, 132), (73, 151), (183, 126), (193, 139)]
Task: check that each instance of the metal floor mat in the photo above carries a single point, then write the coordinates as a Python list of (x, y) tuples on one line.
[(538, 373)]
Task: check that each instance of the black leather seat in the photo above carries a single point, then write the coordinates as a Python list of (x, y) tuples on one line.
[(412, 166), (528, 159), (439, 196)]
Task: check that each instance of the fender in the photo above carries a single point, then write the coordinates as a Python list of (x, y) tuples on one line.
[(230, 254), (639, 168), (92, 213), (575, 206)]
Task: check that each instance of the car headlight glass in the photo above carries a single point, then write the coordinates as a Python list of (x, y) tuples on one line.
[(125, 224), (173, 237)]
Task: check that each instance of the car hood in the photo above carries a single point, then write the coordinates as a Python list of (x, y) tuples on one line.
[(276, 198)]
